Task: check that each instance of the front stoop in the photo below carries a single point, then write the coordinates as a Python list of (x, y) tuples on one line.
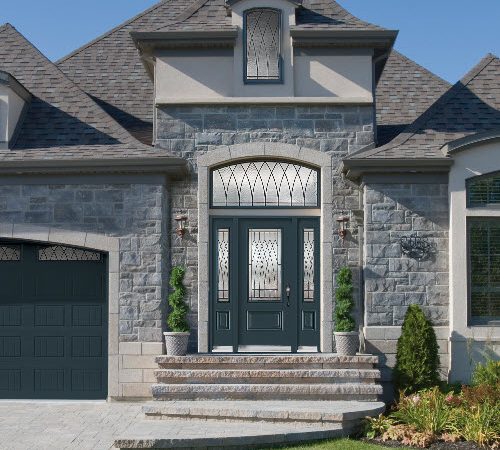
[(260, 400), (267, 377)]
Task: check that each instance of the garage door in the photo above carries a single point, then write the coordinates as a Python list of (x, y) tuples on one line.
[(53, 322)]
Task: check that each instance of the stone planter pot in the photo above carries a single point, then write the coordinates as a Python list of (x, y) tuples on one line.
[(347, 343), (176, 343)]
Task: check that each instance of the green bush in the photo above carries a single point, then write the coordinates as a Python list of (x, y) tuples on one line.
[(428, 411), (417, 357), (344, 302), (487, 373), (176, 320)]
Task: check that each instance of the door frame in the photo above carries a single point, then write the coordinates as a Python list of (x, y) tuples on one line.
[(267, 150)]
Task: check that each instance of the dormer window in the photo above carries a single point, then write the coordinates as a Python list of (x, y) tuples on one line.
[(262, 41)]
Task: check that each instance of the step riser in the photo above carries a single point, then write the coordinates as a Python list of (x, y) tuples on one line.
[(264, 366), (264, 380), (264, 396)]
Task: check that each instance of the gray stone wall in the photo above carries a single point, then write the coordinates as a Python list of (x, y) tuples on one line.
[(189, 131), (393, 280), (136, 213)]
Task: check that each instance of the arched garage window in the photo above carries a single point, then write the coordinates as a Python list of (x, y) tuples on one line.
[(483, 235), (258, 184), (262, 41)]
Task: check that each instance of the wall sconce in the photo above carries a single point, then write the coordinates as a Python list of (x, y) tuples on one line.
[(342, 221), (181, 224)]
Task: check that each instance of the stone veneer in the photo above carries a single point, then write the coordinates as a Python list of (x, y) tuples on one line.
[(190, 131), (134, 213), (393, 280)]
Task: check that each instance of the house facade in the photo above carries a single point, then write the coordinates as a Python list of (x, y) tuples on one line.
[(262, 146)]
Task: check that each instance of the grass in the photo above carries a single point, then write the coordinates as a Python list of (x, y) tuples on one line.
[(335, 444)]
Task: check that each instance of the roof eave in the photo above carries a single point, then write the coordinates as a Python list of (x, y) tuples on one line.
[(150, 41), (171, 166), (357, 167), (343, 38), (469, 141)]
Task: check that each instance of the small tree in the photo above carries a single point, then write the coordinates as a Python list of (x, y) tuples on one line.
[(344, 302), (417, 358), (176, 320)]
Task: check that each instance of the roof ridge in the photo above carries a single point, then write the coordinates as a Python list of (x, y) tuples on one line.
[(110, 32), (437, 106), (5, 26), (119, 129)]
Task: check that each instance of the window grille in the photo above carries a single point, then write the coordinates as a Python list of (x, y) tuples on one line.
[(223, 265), (61, 253), (484, 270), (265, 184), (483, 191), (308, 279), (10, 252), (263, 45)]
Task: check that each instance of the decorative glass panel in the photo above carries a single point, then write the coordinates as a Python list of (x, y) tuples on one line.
[(223, 265), (10, 252), (263, 44), (264, 265), (308, 265), (61, 253), (484, 266), (265, 184), (484, 190)]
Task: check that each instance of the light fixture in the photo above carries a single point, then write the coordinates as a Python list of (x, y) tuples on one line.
[(181, 220), (342, 221)]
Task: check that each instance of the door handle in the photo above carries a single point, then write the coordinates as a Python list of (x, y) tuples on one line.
[(288, 290)]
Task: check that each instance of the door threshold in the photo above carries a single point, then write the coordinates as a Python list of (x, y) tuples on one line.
[(264, 349)]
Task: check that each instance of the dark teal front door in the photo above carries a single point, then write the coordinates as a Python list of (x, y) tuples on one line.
[(53, 322), (265, 291)]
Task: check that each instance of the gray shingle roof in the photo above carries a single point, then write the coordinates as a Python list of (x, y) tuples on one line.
[(470, 106), (109, 68), (61, 121)]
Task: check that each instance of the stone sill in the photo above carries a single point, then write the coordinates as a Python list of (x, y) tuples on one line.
[(265, 101)]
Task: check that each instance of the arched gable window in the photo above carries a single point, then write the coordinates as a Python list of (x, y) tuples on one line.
[(262, 42), (267, 183), (483, 190)]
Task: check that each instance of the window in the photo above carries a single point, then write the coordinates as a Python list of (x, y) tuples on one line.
[(262, 41), (484, 190), (261, 184), (484, 270)]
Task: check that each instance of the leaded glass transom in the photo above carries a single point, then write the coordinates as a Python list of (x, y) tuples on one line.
[(308, 280), (265, 184), (223, 265), (484, 269), (262, 36), (10, 252), (62, 253), (264, 264), (484, 190)]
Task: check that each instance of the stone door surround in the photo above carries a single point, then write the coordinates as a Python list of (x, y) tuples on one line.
[(262, 150)]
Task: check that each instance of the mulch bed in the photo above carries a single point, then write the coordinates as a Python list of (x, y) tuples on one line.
[(435, 446)]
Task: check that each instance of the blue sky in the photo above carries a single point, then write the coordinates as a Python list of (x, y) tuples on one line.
[(446, 36)]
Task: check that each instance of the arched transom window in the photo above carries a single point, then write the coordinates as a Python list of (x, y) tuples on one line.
[(262, 33), (261, 184)]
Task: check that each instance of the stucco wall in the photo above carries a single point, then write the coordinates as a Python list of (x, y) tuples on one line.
[(11, 106), (393, 280)]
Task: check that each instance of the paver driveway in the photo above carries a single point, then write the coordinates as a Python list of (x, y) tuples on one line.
[(64, 425)]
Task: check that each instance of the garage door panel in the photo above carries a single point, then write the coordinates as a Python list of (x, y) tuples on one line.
[(11, 281), (53, 345)]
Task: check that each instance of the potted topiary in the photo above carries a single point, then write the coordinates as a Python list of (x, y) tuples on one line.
[(346, 339), (176, 340)]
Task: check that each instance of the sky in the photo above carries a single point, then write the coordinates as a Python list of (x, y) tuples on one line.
[(446, 36)]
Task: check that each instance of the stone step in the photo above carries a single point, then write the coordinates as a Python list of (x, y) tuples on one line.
[(333, 391), (283, 411), (295, 361), (266, 376)]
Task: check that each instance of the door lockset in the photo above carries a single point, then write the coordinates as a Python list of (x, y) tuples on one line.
[(288, 290)]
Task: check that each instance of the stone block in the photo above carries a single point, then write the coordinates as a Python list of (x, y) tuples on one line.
[(138, 362), (130, 376), (136, 390), (130, 348)]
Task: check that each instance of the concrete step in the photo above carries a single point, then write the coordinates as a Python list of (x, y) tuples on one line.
[(266, 376), (248, 361), (202, 434), (332, 391), (283, 411)]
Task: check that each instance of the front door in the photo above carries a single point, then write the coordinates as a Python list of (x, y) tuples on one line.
[(265, 295)]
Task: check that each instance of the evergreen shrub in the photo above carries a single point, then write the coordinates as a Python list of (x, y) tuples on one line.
[(177, 320), (344, 302)]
